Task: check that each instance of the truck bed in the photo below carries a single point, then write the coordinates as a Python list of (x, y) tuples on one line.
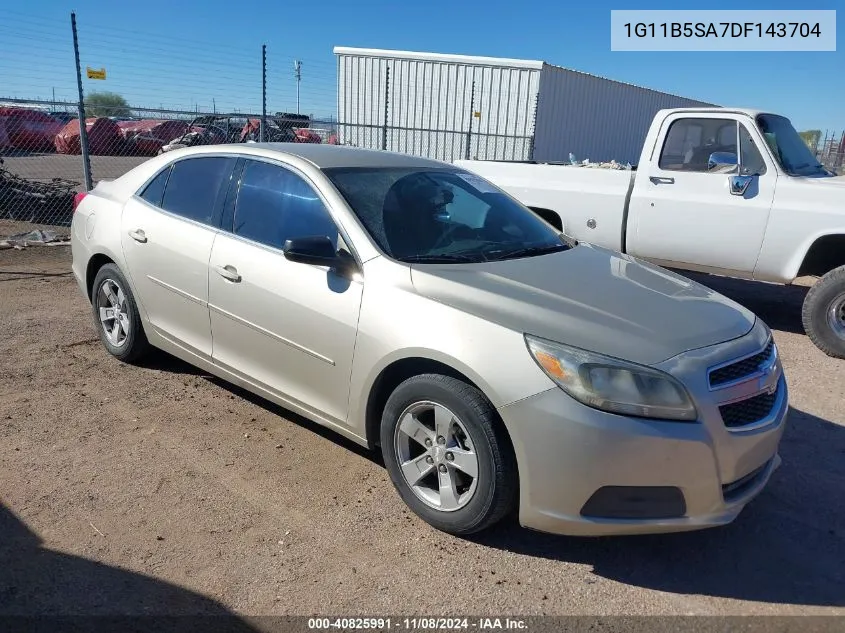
[(580, 196)]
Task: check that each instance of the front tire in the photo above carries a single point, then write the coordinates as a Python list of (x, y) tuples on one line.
[(823, 313), (116, 315), (447, 454)]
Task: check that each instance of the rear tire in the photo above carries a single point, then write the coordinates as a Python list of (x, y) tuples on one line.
[(116, 315), (823, 313), (459, 473)]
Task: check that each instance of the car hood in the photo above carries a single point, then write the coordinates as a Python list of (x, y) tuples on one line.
[(591, 298)]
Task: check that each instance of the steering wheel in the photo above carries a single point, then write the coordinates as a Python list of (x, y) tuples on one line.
[(453, 230)]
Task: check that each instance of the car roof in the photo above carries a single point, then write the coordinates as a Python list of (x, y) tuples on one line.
[(331, 156)]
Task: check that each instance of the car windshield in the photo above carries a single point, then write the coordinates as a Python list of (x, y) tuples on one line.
[(789, 148), (425, 215)]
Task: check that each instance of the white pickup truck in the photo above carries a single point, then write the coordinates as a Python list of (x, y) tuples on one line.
[(731, 192)]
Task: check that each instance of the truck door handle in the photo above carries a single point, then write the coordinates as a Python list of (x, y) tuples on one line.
[(228, 272), (661, 180), (138, 235)]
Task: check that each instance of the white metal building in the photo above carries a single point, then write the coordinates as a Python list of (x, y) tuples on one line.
[(457, 106)]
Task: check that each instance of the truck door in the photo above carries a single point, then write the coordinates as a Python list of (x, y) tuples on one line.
[(683, 211)]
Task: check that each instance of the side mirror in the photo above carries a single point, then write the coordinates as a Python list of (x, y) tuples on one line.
[(739, 184), (721, 161), (317, 250)]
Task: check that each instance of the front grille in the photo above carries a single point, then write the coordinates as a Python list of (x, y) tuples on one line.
[(741, 368), (748, 411)]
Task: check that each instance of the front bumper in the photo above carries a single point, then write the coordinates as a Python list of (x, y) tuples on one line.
[(569, 455)]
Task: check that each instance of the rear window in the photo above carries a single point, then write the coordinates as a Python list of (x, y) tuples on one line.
[(193, 186)]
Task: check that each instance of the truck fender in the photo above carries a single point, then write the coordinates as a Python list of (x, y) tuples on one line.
[(797, 264)]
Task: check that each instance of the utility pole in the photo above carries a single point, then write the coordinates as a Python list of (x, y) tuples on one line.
[(297, 72)]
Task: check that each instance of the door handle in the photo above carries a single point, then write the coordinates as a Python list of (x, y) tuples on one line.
[(661, 180), (228, 272), (138, 235)]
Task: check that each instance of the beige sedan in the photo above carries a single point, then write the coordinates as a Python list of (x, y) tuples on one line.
[(414, 307)]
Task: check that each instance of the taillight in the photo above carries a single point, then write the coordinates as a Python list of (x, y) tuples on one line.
[(78, 198)]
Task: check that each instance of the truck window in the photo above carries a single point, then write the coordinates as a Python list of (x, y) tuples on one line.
[(690, 143), (752, 163)]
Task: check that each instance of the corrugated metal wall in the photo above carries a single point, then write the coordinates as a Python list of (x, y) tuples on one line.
[(431, 105), (360, 100), (595, 118)]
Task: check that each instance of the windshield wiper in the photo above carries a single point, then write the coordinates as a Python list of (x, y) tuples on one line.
[(446, 258), (534, 250), (805, 169), (805, 165)]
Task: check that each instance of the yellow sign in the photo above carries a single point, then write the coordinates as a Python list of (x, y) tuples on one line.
[(477, 115), (94, 73)]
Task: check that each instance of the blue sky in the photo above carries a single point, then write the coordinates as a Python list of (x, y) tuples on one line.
[(207, 54)]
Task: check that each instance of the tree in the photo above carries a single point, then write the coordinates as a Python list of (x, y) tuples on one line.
[(106, 104), (811, 138)]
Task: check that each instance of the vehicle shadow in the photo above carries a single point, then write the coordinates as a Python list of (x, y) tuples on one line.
[(787, 546), (295, 418), (779, 306), (158, 360), (42, 584)]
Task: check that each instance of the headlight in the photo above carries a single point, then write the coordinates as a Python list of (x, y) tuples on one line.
[(611, 384)]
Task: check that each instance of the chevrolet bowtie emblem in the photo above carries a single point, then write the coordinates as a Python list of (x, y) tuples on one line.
[(768, 381)]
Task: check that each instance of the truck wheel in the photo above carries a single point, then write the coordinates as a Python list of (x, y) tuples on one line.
[(824, 313)]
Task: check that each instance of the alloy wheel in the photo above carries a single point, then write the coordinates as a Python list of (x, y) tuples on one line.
[(436, 456), (112, 310)]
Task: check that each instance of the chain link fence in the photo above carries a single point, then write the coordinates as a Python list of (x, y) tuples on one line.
[(36, 183), (830, 152)]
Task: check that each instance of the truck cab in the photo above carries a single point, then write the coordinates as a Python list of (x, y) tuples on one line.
[(736, 192)]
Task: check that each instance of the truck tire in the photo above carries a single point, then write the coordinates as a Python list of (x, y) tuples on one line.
[(823, 313)]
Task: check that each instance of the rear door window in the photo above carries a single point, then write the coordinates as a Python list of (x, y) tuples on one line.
[(194, 187), (154, 191)]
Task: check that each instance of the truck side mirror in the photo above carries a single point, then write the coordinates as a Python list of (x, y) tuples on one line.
[(739, 184), (722, 162)]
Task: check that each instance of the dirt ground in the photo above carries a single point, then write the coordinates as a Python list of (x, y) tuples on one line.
[(158, 489)]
